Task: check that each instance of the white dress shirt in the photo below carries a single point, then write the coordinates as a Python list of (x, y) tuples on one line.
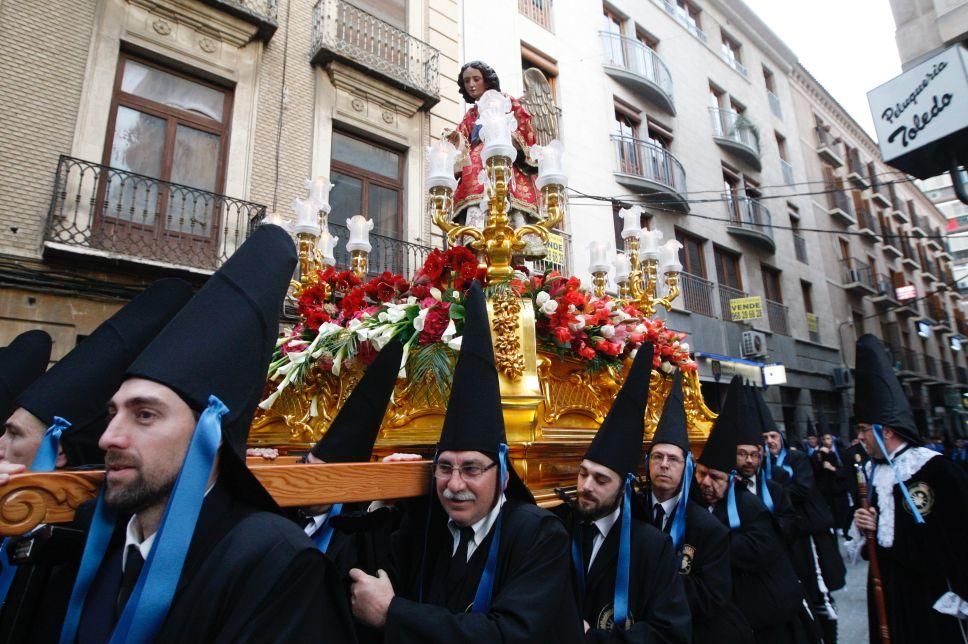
[(133, 537), (604, 527), (668, 506), (318, 521), (481, 528)]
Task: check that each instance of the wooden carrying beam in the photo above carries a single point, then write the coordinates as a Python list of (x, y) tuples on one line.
[(28, 500)]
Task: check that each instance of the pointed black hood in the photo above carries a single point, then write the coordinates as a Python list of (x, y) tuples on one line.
[(618, 442), (878, 396), (80, 385), (761, 421), (738, 408), (474, 420), (672, 428), (221, 343), (811, 428), (21, 362), (353, 432)]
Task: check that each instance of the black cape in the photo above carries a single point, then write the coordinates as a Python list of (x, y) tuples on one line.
[(924, 559), (704, 568), (528, 604), (249, 575), (657, 601)]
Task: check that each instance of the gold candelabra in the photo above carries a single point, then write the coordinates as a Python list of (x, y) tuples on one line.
[(643, 283)]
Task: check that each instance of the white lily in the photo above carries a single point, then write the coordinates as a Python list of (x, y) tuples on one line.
[(449, 332), (436, 294), (396, 313), (421, 319), (455, 343)]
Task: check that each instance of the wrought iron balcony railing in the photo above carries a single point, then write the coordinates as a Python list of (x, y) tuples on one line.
[(105, 211), (649, 161), (734, 126), (931, 365), (749, 213), (838, 199), (345, 32), (775, 104), (635, 57), (787, 169), (777, 314), (683, 18), (387, 254), (857, 272), (539, 11), (697, 294), (800, 246), (727, 293)]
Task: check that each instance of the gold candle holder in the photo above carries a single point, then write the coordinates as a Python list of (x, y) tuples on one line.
[(600, 281), (307, 256), (359, 260)]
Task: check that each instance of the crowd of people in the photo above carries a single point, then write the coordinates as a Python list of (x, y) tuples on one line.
[(183, 544)]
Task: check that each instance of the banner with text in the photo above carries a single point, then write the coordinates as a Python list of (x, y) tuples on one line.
[(746, 308)]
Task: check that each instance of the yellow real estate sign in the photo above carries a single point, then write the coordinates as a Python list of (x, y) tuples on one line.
[(746, 308), (556, 250)]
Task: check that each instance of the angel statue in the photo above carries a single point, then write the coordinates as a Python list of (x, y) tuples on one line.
[(476, 78)]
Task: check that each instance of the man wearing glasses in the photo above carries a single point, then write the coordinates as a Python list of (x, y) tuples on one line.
[(478, 562)]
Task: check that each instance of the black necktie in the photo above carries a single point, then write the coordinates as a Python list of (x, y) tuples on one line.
[(132, 568), (658, 515), (588, 534), (458, 563)]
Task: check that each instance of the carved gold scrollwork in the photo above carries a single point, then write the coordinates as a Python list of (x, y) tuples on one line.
[(507, 346)]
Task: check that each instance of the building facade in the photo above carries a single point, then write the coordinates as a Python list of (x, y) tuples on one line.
[(145, 138)]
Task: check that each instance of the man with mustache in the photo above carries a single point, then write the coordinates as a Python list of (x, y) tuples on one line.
[(486, 564), (638, 597), (185, 545)]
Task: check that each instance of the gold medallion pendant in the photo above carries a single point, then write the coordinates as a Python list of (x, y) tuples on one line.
[(923, 497), (606, 619), (688, 552)]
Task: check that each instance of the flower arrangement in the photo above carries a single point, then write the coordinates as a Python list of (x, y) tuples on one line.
[(346, 320)]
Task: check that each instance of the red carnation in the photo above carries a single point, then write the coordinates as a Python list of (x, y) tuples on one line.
[(435, 323)]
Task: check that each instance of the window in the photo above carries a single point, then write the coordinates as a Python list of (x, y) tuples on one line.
[(781, 146), (731, 51), (167, 126), (727, 268), (368, 181), (532, 58), (627, 121), (690, 13), (844, 251), (769, 80), (806, 291), (647, 39), (771, 283), (693, 261), (393, 12), (614, 47)]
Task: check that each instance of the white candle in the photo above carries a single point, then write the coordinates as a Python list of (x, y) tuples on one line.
[(650, 244), (669, 257), (598, 252), (440, 159), (326, 247), (550, 170), (497, 123), (359, 233), (631, 223), (307, 216), (319, 192), (623, 267)]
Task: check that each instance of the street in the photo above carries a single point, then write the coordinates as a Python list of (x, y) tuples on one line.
[(852, 603)]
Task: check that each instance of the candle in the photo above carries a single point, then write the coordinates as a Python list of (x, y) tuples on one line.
[(326, 245), (319, 192), (631, 223), (598, 252), (669, 257), (441, 157), (650, 244), (549, 159), (359, 233), (307, 216), (497, 123), (623, 267)]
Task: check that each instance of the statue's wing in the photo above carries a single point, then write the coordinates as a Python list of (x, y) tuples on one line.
[(540, 104)]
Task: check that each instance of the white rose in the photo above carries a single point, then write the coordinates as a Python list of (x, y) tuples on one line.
[(608, 331), (542, 297), (640, 328), (549, 307), (685, 347)]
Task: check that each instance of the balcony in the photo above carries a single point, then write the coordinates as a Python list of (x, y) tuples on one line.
[(948, 371), (683, 19), (884, 292), (891, 246), (735, 133), (931, 367), (775, 104), (638, 68), (839, 205), (867, 224), (929, 269), (919, 225), (350, 35), (730, 59), (787, 170), (827, 147), (935, 239), (558, 257), (800, 248), (105, 212), (855, 169), (938, 313), (905, 361), (857, 277), (697, 294), (727, 293), (776, 312), (879, 192), (907, 250), (538, 11), (387, 254), (897, 205), (261, 13), (750, 220), (651, 170)]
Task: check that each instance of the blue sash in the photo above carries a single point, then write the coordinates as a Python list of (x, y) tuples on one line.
[(325, 532), (878, 431)]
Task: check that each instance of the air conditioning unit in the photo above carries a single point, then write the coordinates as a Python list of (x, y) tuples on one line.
[(841, 378), (753, 345)]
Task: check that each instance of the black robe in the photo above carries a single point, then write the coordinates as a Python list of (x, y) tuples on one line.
[(706, 577), (657, 602), (924, 559), (765, 588), (528, 603), (249, 576), (832, 484)]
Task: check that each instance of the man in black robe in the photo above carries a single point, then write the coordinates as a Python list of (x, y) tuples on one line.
[(918, 511), (77, 390), (184, 544), (486, 565), (700, 542), (832, 473), (657, 609), (21, 362), (765, 588)]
